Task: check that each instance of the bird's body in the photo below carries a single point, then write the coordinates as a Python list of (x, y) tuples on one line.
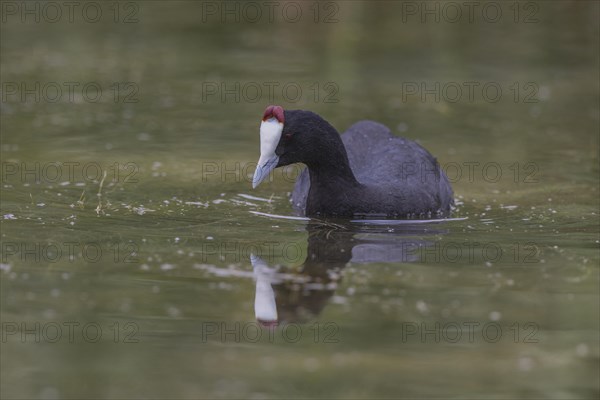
[(397, 177), (366, 172)]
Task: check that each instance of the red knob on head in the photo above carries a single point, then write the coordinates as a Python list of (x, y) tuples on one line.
[(274, 112)]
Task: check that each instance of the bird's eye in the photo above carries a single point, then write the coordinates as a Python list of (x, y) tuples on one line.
[(288, 136)]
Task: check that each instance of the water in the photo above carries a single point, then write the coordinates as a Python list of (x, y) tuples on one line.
[(141, 284)]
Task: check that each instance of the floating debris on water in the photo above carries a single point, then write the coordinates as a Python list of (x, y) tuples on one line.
[(495, 316), (582, 350), (525, 363), (280, 216), (196, 203), (141, 210), (173, 312), (249, 197), (422, 306)]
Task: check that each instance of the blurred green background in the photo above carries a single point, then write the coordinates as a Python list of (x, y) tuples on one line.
[(161, 245)]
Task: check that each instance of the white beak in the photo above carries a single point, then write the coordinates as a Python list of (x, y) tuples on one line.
[(270, 133), (265, 308)]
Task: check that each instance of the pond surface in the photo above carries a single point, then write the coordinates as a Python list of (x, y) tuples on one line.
[(136, 258)]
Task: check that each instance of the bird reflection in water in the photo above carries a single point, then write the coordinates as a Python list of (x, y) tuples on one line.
[(299, 296)]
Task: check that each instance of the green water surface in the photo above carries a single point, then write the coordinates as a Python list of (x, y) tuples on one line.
[(127, 224)]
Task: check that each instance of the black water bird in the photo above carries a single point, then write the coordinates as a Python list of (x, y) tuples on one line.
[(366, 172)]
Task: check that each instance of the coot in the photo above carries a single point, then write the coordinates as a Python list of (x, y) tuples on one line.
[(366, 172)]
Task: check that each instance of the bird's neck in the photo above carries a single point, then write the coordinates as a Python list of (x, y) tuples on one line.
[(333, 170), (334, 189)]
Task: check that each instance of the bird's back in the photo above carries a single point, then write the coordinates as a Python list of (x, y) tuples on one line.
[(380, 159)]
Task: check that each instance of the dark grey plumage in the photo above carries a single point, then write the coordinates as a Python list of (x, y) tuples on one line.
[(396, 178)]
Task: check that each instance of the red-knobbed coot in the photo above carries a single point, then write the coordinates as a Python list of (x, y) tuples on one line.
[(366, 172)]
